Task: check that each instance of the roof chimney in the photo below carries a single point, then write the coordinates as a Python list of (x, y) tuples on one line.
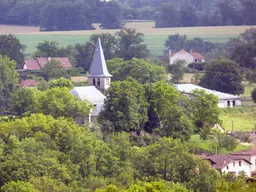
[(170, 53)]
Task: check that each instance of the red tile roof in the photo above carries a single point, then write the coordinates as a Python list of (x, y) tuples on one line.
[(29, 83), (196, 55), (39, 62), (31, 65)]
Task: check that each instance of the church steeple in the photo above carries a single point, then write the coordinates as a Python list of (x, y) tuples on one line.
[(99, 75)]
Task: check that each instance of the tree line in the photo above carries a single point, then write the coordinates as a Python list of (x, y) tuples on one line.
[(80, 14)]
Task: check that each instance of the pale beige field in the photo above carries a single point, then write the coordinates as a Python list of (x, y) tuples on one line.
[(144, 27)]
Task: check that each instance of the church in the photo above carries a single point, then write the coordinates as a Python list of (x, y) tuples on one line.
[(99, 80)]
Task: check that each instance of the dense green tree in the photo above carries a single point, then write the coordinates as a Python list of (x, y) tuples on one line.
[(18, 186), (47, 49), (227, 142), (111, 17), (23, 100), (131, 44), (60, 102), (167, 16), (125, 106), (75, 15), (177, 70), (11, 47), (249, 7), (223, 75), (84, 52), (188, 16), (165, 101), (251, 76), (175, 43), (204, 111), (141, 70), (53, 70), (253, 94), (8, 81)]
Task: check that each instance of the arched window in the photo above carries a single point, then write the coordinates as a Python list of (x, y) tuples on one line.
[(93, 82), (98, 82)]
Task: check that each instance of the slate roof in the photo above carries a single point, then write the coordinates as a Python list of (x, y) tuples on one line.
[(189, 88), (99, 67), (37, 63), (93, 95), (222, 160)]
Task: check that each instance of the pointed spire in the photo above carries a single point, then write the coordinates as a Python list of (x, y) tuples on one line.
[(98, 67)]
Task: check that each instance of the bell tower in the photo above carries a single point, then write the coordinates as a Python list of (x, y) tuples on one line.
[(99, 75)]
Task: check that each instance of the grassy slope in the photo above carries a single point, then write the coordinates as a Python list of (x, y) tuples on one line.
[(211, 144), (244, 119), (154, 37)]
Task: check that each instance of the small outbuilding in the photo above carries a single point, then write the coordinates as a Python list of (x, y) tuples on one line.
[(225, 100)]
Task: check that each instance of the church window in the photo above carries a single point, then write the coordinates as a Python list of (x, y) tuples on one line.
[(93, 82), (98, 82)]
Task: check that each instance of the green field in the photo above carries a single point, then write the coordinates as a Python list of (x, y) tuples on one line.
[(210, 145), (243, 118), (154, 37)]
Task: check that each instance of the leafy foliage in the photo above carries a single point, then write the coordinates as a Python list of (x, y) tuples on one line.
[(204, 111), (223, 75), (8, 81), (11, 47), (125, 106), (141, 70), (53, 70)]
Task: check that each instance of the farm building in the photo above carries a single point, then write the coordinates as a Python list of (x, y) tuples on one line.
[(185, 56), (226, 163), (225, 100), (37, 63)]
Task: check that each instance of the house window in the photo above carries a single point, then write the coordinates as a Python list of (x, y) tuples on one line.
[(240, 163), (93, 82), (227, 167), (234, 164), (234, 103), (228, 103)]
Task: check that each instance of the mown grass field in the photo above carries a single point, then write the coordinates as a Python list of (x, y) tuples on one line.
[(154, 37), (210, 145)]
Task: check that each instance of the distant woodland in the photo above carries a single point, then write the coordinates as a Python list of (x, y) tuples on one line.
[(53, 15)]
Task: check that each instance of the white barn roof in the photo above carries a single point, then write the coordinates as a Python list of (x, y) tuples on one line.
[(90, 93), (189, 88)]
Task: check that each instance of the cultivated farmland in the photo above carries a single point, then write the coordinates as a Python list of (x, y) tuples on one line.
[(154, 37)]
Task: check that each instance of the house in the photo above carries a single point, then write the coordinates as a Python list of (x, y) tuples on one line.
[(226, 163), (225, 100), (185, 56), (37, 63), (249, 155), (93, 96), (29, 83), (99, 80)]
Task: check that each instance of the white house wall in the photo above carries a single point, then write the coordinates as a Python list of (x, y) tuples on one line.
[(182, 56), (245, 167), (224, 103)]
